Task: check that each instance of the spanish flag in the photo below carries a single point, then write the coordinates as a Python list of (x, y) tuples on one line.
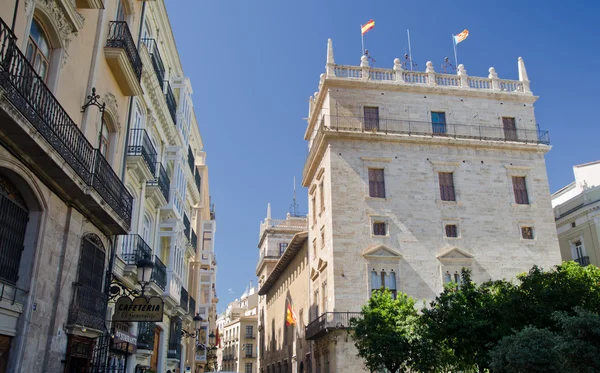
[(290, 316), (366, 27), (462, 36)]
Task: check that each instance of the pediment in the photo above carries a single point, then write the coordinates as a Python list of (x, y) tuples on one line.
[(381, 251), (454, 254)]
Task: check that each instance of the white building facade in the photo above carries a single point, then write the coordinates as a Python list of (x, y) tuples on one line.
[(413, 176)]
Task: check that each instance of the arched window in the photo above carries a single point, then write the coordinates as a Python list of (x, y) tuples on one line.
[(104, 140), (91, 262), (38, 49), (14, 216)]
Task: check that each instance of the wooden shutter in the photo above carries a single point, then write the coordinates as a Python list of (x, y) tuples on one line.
[(520, 189), (447, 186), (451, 230), (510, 128), (371, 117), (376, 183)]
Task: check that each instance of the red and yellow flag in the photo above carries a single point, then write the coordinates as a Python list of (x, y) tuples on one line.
[(290, 316), (462, 36), (367, 26)]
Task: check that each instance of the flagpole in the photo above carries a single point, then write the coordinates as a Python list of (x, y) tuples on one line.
[(455, 56), (409, 50), (362, 41)]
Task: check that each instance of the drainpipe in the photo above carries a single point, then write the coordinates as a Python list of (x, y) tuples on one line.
[(93, 65), (15, 16), (127, 128)]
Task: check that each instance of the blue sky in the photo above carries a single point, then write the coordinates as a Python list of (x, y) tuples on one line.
[(253, 65)]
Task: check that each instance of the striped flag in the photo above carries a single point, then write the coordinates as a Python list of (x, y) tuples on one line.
[(462, 36), (367, 26), (290, 317)]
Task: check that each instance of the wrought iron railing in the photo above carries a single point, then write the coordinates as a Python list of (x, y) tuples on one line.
[(157, 62), (162, 181), (194, 239), (111, 189), (191, 160), (183, 301), (448, 130), (145, 337), (28, 93), (159, 273), (119, 36), (134, 249), (583, 260), (198, 180), (329, 321), (186, 226), (171, 103), (140, 144), (87, 307), (192, 306), (13, 225)]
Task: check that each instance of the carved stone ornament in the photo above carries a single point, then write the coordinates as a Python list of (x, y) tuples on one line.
[(113, 107), (65, 20)]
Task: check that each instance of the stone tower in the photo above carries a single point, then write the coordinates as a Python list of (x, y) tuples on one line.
[(411, 177)]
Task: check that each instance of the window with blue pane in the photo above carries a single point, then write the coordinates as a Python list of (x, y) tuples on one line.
[(438, 122)]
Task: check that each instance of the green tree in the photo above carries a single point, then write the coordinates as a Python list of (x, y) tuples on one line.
[(580, 340), (385, 334), (531, 350)]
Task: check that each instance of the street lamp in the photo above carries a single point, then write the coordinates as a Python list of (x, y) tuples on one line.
[(144, 272), (198, 321)]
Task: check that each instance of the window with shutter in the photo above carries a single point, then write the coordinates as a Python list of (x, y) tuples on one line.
[(510, 128), (438, 122), (91, 264), (520, 189), (447, 186), (379, 229), (376, 183), (371, 117)]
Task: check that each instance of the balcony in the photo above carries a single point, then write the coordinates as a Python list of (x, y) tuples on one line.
[(123, 58), (88, 307), (159, 273), (198, 180), (249, 355), (186, 226), (174, 351), (171, 103), (249, 336), (583, 260), (157, 62), (89, 4), (134, 249), (158, 188), (145, 337), (172, 294), (327, 322), (52, 143), (194, 240), (183, 302), (141, 155)]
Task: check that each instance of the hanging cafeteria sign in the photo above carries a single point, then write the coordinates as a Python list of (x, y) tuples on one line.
[(140, 309)]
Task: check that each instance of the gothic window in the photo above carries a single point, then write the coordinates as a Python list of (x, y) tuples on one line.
[(91, 262)]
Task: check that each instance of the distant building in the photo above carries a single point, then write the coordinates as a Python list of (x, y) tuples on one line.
[(577, 214), (237, 334)]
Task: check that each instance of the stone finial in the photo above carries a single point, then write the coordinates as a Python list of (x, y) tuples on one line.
[(397, 64), (462, 70), (493, 73), (364, 61), (330, 59), (522, 72), (430, 68), (269, 211)]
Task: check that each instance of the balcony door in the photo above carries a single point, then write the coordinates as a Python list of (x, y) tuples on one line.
[(438, 122), (510, 128)]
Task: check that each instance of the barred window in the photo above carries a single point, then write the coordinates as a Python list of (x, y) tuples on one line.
[(520, 189), (451, 230), (447, 186), (379, 229), (376, 183), (527, 233), (371, 117)]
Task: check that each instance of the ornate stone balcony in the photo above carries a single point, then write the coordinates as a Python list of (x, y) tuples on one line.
[(327, 322), (89, 4), (141, 155)]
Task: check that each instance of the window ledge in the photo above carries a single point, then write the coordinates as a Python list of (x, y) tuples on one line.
[(440, 202), (523, 206), (369, 198), (453, 238)]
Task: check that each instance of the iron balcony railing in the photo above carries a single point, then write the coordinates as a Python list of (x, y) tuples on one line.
[(583, 260), (87, 307), (145, 337), (159, 273), (197, 179), (183, 301), (249, 336), (192, 306), (191, 160), (329, 321), (448, 130), (106, 182), (140, 144), (194, 239), (157, 62), (171, 103), (161, 180), (134, 249), (119, 36), (174, 351), (13, 225), (186, 226), (249, 355)]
